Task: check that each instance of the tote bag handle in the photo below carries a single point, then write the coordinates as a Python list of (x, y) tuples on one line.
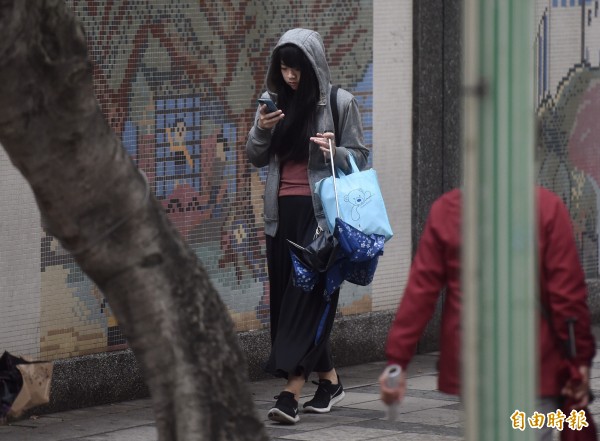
[(354, 170), (337, 205)]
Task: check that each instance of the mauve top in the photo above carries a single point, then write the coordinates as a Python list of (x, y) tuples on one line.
[(294, 179)]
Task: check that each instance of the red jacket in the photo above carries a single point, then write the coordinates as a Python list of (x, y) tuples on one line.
[(437, 264)]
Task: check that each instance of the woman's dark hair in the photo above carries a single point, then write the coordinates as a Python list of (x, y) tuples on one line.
[(291, 136)]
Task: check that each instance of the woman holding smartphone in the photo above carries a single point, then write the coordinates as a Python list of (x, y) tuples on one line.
[(293, 142)]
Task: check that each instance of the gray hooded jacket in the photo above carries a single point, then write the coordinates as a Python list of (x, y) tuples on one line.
[(349, 124)]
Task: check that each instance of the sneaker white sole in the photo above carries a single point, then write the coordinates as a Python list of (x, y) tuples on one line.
[(282, 417), (311, 409)]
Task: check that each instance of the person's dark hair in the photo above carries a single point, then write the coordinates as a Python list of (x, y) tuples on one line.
[(291, 136)]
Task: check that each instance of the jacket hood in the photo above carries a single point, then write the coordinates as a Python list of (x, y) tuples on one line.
[(311, 44)]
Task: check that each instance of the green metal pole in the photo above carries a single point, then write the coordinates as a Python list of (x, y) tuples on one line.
[(499, 258)]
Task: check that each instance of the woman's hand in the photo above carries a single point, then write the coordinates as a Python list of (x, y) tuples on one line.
[(578, 391), (390, 395), (269, 120), (322, 140)]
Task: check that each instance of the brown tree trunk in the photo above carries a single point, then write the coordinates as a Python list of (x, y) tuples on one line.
[(94, 200)]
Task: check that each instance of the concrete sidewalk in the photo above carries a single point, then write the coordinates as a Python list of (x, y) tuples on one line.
[(425, 414)]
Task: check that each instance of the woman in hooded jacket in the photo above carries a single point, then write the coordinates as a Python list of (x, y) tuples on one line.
[(293, 142)]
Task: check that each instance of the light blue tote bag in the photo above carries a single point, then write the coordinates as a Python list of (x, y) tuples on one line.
[(356, 199)]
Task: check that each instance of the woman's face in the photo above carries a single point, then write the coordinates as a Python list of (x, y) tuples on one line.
[(291, 76)]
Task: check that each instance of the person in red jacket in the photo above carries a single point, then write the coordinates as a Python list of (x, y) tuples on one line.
[(563, 298)]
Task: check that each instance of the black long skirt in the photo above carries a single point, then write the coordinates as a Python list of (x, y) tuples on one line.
[(301, 321)]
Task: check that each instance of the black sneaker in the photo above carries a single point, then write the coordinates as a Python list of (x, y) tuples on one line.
[(285, 410), (327, 395)]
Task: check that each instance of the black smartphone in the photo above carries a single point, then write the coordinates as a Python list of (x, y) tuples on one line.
[(271, 107)]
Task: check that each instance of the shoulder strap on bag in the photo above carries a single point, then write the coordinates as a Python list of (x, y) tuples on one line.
[(569, 346), (334, 113)]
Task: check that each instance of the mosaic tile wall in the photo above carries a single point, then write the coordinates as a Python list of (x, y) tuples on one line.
[(568, 106), (178, 82)]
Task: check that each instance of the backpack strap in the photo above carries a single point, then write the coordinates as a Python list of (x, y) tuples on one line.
[(334, 113)]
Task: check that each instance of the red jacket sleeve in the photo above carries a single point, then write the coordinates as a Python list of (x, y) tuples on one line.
[(427, 277), (563, 277)]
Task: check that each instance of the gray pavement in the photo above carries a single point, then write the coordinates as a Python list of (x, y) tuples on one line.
[(425, 414)]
